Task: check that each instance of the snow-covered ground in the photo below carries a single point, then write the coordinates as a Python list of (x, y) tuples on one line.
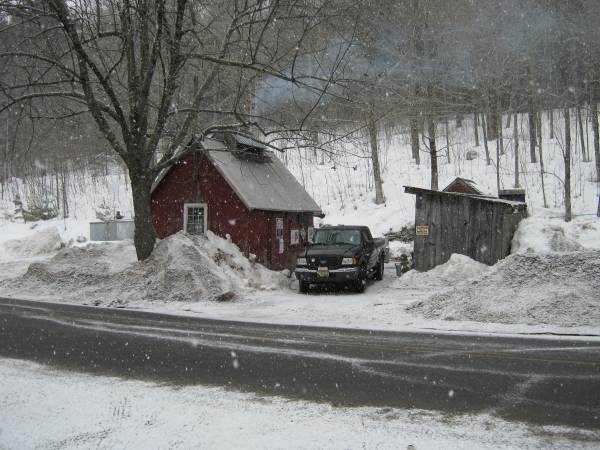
[(41, 407), (549, 284)]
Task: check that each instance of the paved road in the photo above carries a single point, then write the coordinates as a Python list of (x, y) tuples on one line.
[(536, 380)]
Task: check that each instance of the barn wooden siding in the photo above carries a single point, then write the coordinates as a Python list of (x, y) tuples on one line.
[(479, 227), (196, 180)]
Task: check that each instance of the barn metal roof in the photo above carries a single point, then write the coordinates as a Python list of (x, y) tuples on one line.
[(266, 185)]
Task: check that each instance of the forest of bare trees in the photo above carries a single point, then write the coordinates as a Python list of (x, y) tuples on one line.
[(87, 82)]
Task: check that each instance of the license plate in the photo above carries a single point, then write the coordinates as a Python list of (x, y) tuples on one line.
[(323, 272)]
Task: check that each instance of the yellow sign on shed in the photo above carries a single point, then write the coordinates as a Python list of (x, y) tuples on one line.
[(422, 230)]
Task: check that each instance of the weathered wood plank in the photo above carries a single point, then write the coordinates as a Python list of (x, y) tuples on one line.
[(479, 227)]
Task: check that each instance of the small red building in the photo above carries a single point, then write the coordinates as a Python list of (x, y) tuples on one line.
[(232, 185), (463, 186)]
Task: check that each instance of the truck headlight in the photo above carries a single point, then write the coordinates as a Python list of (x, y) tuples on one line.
[(349, 261), (301, 261)]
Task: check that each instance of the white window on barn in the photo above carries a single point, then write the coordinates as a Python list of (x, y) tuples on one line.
[(194, 218)]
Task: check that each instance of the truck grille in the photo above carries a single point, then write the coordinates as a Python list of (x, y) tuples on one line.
[(332, 262)]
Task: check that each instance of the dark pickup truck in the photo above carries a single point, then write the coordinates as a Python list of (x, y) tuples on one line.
[(341, 254)]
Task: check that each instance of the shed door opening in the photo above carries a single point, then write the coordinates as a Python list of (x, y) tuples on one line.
[(194, 218)]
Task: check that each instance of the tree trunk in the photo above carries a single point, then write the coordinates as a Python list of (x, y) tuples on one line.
[(492, 119), (538, 118), (144, 236), (498, 165), (65, 202), (475, 130), (551, 114), (584, 154), (541, 160), (459, 120), (414, 138), (485, 141), (567, 159), (448, 140), (57, 187), (379, 198), (500, 133), (596, 133), (516, 147), (432, 152), (531, 112), (532, 131)]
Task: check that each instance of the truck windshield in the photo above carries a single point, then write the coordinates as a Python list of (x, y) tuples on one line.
[(351, 237)]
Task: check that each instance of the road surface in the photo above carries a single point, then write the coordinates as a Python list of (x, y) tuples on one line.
[(548, 381)]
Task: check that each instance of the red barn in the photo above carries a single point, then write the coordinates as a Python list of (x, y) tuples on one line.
[(232, 185)]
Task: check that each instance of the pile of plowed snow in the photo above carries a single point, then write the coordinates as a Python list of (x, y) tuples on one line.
[(41, 243), (182, 268), (552, 277), (543, 235), (560, 289), (458, 268)]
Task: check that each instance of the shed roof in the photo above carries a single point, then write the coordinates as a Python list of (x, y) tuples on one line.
[(262, 185), (470, 185), (416, 190)]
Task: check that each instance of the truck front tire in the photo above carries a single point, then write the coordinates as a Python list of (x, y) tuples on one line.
[(379, 269), (303, 287)]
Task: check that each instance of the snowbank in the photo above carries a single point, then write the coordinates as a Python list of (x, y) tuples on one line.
[(560, 289), (552, 278), (543, 235), (182, 268), (399, 248), (457, 269), (42, 242)]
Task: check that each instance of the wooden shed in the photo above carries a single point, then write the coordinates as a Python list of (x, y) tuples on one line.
[(476, 226), (233, 186)]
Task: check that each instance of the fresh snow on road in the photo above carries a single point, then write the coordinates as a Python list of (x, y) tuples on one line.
[(41, 407)]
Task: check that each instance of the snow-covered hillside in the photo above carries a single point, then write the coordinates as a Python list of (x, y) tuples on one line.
[(52, 259), (340, 180), (343, 184)]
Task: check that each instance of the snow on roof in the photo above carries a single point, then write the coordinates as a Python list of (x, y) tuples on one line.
[(416, 190), (248, 141), (466, 182), (264, 185)]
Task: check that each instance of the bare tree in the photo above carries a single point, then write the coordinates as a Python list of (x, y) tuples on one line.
[(540, 147), (147, 69), (432, 151), (372, 126), (567, 161), (516, 148)]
